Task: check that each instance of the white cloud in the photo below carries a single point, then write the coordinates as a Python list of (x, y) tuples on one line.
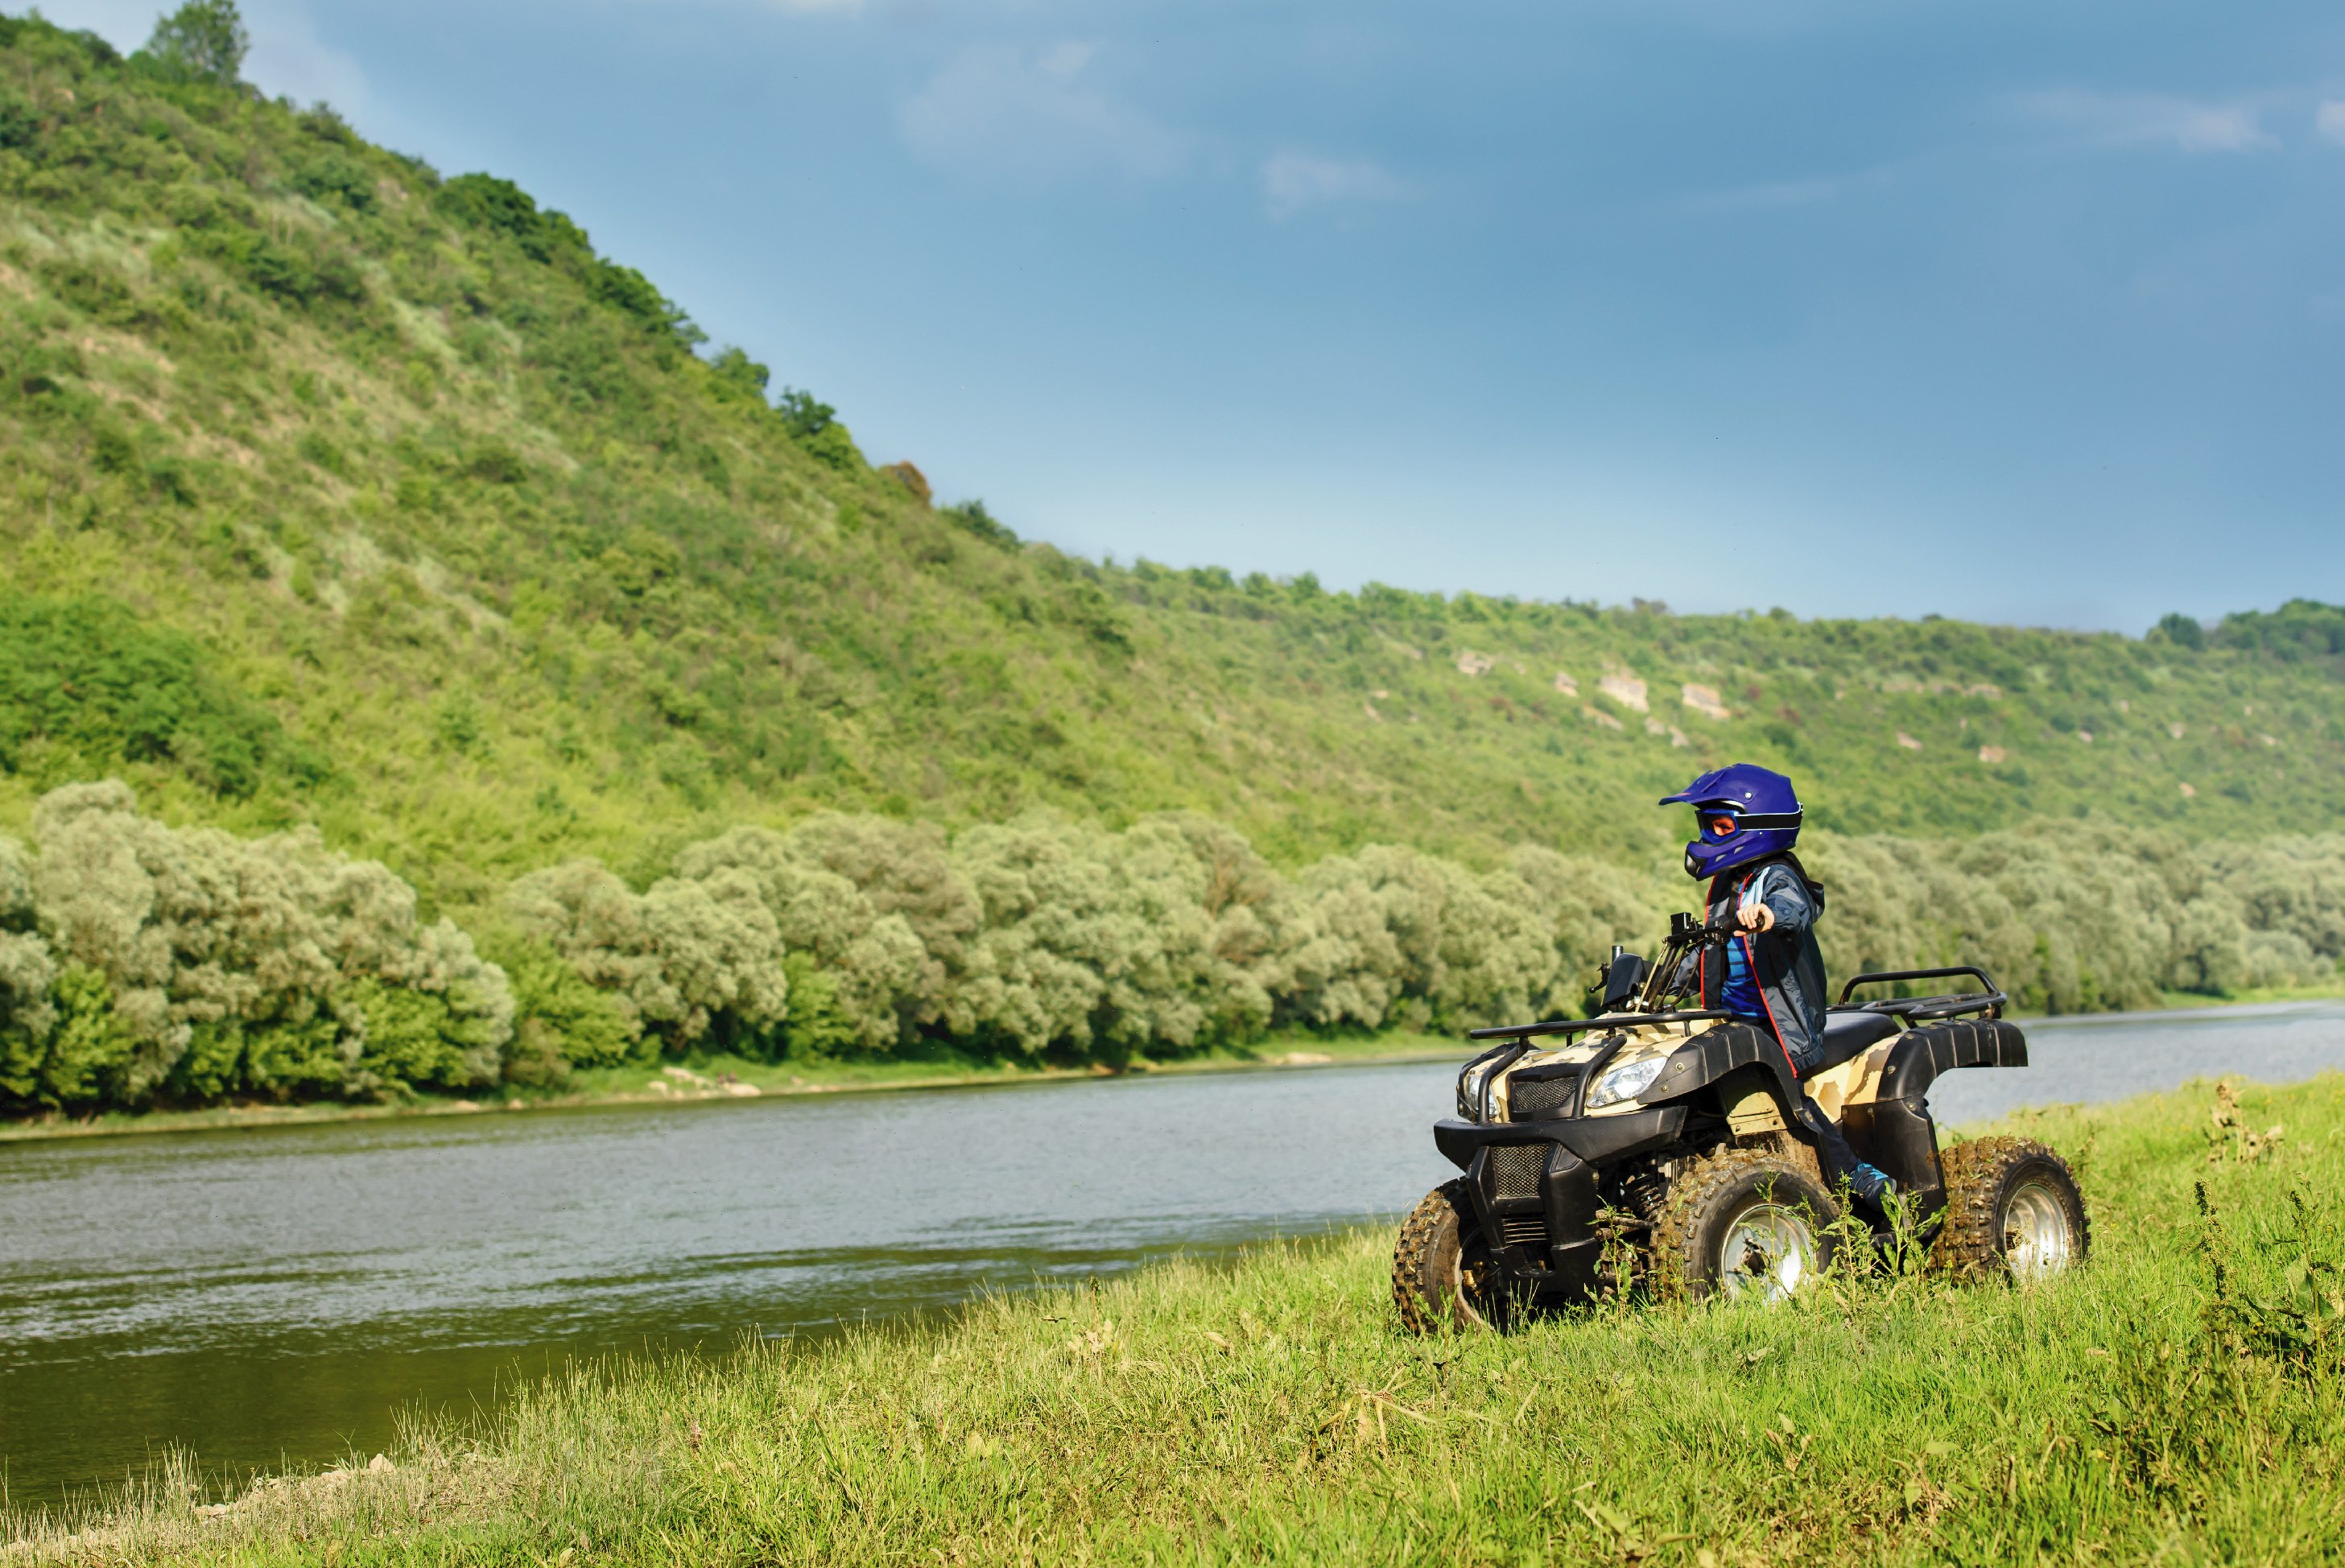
[(2329, 119), (2150, 119), (1033, 115), (1293, 181)]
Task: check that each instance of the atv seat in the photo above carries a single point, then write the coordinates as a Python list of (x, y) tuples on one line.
[(1850, 1034)]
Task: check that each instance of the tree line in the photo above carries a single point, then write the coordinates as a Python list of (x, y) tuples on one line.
[(143, 964)]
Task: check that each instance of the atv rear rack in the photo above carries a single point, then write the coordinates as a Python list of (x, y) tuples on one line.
[(1911, 1009)]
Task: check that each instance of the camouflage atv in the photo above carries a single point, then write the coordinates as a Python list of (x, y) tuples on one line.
[(1650, 1145)]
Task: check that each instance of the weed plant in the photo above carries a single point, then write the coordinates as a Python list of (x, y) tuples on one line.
[(2177, 1400)]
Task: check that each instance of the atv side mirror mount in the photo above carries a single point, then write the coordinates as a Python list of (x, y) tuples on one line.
[(1622, 976)]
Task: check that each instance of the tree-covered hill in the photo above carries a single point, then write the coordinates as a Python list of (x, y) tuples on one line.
[(332, 490), (374, 517)]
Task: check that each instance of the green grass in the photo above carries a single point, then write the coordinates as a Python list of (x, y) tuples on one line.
[(2177, 1401)]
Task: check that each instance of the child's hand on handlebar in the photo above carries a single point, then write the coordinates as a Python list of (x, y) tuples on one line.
[(1756, 917)]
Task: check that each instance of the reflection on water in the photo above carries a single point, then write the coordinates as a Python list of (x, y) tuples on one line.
[(265, 1295)]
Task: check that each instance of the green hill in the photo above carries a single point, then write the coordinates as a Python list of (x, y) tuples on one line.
[(335, 491), (373, 516)]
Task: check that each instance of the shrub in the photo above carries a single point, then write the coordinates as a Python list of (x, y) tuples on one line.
[(20, 123), (337, 177), (2182, 631), (803, 414), (191, 964), (834, 447), (735, 375), (1091, 942), (972, 516), (881, 979), (496, 463), (1390, 936), (689, 961), (2299, 629), (560, 1022), (817, 1026), (89, 1057), (28, 974), (915, 482), (2080, 916)]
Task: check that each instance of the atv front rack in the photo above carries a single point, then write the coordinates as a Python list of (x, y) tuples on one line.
[(1909, 1009), (1576, 1025)]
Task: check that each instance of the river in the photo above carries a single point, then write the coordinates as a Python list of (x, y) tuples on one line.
[(273, 1296)]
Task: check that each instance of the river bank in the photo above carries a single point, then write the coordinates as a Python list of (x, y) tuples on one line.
[(2146, 1405), (705, 1078)]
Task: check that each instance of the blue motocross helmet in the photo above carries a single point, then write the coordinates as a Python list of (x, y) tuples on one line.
[(1746, 813)]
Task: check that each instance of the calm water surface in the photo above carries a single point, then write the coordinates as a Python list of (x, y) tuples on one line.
[(273, 1295)]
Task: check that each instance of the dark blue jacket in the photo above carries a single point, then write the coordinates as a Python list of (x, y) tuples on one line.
[(1784, 958)]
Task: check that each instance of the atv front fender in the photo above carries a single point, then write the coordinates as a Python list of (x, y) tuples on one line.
[(1714, 1053), (1533, 1185), (1598, 1140)]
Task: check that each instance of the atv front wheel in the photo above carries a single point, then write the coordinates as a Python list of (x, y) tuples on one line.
[(1744, 1224), (2013, 1211), (1443, 1275)]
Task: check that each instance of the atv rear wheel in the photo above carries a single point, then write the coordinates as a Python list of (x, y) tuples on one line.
[(2013, 1211), (1443, 1275), (1744, 1224)]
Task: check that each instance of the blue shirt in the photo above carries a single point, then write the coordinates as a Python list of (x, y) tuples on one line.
[(1740, 995)]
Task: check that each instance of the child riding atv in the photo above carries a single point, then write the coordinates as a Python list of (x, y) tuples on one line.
[(1699, 1134), (1772, 973)]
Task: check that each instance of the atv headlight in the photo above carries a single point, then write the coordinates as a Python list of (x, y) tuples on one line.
[(1470, 1085), (1626, 1083), (1474, 1084)]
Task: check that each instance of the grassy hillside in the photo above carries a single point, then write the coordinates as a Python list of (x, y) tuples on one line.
[(2177, 1400), (334, 491)]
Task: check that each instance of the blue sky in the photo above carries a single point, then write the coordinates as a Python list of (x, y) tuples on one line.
[(2018, 312)]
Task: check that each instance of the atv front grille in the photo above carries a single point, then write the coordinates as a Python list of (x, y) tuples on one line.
[(1515, 1167), (1523, 1230), (1539, 1098)]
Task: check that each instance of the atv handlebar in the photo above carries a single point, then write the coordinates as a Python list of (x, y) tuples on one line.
[(1685, 928)]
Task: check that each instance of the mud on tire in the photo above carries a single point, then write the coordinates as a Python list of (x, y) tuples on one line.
[(2013, 1212), (1744, 1221), (1442, 1272)]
